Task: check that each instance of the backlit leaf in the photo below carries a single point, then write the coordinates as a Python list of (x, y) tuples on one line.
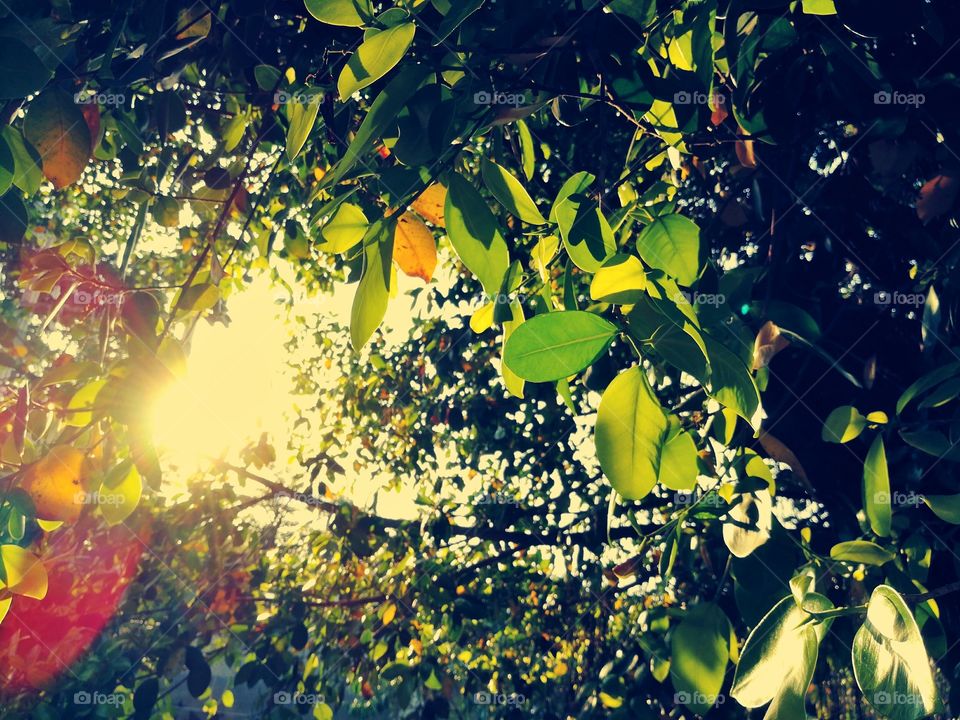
[(474, 234), (672, 243), (414, 247), (630, 430), (556, 345), (375, 57), (510, 193), (55, 126)]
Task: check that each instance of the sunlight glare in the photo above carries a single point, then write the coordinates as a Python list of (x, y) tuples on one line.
[(235, 388)]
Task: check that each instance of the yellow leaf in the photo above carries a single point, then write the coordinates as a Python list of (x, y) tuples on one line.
[(430, 204), (609, 701), (53, 483), (414, 247), (482, 319), (621, 280), (4, 606), (118, 500), (389, 612), (81, 404), (25, 573)]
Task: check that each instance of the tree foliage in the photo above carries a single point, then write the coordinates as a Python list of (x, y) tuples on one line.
[(677, 405)]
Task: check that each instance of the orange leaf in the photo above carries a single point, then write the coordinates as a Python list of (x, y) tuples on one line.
[(936, 197), (414, 247), (58, 131), (768, 343), (53, 483), (430, 204)]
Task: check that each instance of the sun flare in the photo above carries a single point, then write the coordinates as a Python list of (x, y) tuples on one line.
[(234, 389)]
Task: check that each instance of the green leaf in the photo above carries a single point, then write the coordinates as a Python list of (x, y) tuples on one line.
[(302, 115), (945, 507), (510, 193), (777, 654), (376, 56), (198, 298), (527, 152), (842, 425), (629, 432), (268, 77), (819, 7), (346, 13), (890, 662), (373, 290), (345, 229), (699, 651), (575, 184), (381, 115), (678, 459), (556, 345), (118, 497), (512, 381), (459, 11), (27, 173), (731, 384), (672, 243), (924, 383), (621, 281), (21, 71), (474, 234), (861, 551), (876, 488), (585, 232)]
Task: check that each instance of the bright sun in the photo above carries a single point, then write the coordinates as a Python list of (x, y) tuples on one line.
[(235, 387)]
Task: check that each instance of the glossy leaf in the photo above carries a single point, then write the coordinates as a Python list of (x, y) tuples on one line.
[(842, 425), (699, 652), (861, 551), (510, 193), (622, 281), (630, 431), (876, 488), (556, 345), (373, 290), (890, 662), (474, 234), (376, 56), (672, 243), (347, 13)]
